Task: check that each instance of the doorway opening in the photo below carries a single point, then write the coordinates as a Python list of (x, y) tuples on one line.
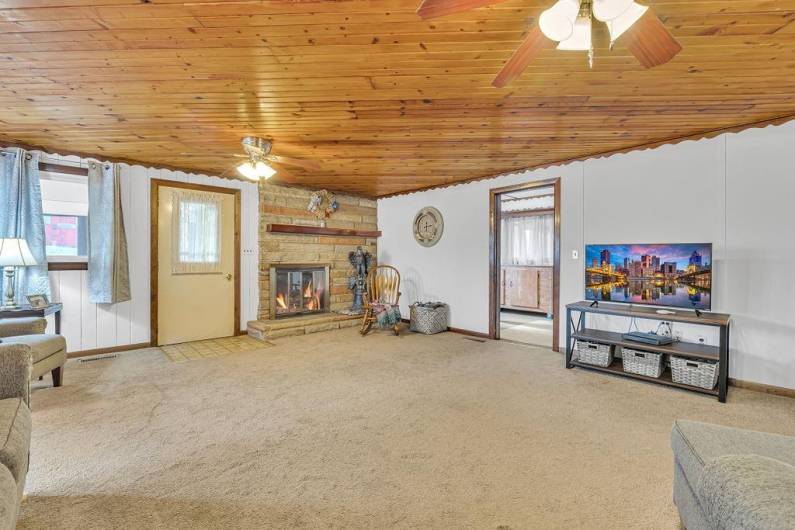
[(524, 292)]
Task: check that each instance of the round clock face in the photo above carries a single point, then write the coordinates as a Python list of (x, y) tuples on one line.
[(428, 226)]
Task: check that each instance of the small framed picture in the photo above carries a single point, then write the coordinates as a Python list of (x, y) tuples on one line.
[(38, 301)]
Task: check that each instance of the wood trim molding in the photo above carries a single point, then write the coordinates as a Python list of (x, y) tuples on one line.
[(761, 387), (154, 203), (114, 349), (67, 266), (321, 231), (494, 253), (709, 133), (460, 331)]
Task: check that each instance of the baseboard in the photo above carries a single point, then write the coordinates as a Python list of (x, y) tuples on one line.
[(114, 349), (761, 387), (469, 333), (457, 330)]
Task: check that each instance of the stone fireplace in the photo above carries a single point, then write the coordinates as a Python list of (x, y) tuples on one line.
[(299, 289), (290, 261)]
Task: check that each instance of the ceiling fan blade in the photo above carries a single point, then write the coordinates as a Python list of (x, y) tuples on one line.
[(533, 44), (439, 8), (650, 41), (306, 164)]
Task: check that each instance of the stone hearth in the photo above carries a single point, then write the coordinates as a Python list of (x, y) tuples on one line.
[(287, 327)]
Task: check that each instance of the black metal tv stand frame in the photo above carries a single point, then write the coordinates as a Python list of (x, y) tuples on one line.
[(579, 331)]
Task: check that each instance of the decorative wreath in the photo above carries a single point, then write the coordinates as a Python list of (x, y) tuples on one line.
[(322, 204)]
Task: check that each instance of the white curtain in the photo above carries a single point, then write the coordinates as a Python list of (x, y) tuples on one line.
[(195, 232), (528, 240)]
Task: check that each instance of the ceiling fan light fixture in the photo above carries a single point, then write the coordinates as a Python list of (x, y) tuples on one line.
[(619, 25), (557, 22), (580, 39), (248, 170), (605, 10), (264, 170)]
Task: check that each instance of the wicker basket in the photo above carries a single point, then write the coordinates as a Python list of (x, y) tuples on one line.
[(428, 318), (694, 372), (640, 362), (594, 353)]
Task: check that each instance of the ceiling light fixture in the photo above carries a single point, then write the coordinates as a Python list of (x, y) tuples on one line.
[(256, 170), (557, 22), (570, 22)]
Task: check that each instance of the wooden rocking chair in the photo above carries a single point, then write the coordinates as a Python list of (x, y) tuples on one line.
[(383, 286)]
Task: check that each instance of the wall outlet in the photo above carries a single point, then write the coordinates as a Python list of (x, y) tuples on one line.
[(575, 254)]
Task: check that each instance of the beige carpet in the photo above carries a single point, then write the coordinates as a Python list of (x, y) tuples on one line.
[(337, 431)]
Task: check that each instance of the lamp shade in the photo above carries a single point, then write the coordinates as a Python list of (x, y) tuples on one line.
[(605, 10), (557, 22), (580, 40), (15, 252), (619, 25)]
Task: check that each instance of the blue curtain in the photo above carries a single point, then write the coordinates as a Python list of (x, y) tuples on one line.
[(108, 270), (21, 216)]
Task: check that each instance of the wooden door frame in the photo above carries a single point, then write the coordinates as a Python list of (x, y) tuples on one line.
[(154, 269), (494, 256)]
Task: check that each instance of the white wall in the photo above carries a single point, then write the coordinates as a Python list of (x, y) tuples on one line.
[(735, 191), (88, 326)]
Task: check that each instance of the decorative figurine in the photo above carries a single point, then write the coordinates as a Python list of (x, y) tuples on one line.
[(360, 261)]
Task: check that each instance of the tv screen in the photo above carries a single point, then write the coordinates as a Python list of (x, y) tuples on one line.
[(674, 275)]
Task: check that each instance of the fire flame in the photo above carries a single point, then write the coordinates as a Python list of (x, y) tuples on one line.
[(280, 301), (308, 290)]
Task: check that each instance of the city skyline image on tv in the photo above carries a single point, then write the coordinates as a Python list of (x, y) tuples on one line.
[(675, 275)]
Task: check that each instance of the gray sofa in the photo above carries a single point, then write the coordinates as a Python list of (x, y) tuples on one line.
[(15, 428), (48, 351), (727, 478)]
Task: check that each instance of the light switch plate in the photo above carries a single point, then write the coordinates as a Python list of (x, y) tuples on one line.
[(575, 254)]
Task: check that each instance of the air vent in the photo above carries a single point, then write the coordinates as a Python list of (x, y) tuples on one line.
[(98, 357), (474, 339)]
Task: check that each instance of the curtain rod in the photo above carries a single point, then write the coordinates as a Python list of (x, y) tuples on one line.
[(53, 167)]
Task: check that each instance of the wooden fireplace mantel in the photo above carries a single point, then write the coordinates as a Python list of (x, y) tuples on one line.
[(321, 231)]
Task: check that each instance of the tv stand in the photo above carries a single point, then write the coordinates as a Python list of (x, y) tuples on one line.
[(577, 330)]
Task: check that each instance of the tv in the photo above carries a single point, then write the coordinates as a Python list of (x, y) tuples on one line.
[(671, 275)]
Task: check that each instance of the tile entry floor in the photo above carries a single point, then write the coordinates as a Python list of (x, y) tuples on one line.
[(201, 349)]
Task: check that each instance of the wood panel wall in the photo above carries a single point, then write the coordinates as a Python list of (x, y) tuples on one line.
[(89, 326)]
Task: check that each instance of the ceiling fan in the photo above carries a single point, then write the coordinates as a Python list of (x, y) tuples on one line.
[(260, 159), (568, 23)]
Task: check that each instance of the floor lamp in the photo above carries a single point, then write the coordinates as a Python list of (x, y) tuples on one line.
[(14, 252)]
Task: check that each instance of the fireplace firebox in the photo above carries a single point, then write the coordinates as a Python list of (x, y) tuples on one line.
[(299, 290)]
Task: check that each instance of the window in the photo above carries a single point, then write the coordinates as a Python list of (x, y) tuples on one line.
[(196, 236), (65, 206)]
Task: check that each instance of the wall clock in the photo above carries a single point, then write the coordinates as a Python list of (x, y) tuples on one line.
[(428, 226)]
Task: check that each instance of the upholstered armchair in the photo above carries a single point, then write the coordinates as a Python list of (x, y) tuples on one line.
[(15, 427), (48, 352)]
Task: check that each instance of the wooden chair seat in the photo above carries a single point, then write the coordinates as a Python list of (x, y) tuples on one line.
[(383, 287)]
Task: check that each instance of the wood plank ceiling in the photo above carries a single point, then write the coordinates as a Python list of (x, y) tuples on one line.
[(384, 101)]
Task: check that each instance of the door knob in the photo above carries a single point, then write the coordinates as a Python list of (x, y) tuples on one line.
[(229, 277)]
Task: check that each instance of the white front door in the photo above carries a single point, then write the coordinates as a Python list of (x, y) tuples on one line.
[(195, 298)]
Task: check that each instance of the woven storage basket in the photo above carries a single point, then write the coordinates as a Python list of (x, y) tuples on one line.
[(640, 362), (594, 353), (428, 318), (694, 372)]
